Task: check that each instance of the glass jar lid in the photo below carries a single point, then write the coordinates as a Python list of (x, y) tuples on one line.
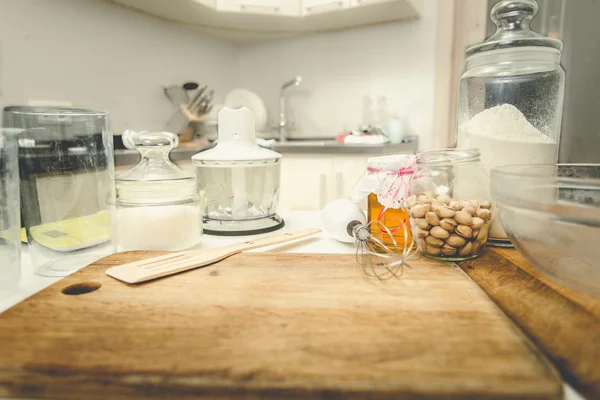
[(447, 157), (155, 179), (512, 18)]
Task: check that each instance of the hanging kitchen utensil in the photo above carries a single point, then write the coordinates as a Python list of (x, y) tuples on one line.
[(173, 263), (197, 96), (190, 86), (177, 94), (204, 102)]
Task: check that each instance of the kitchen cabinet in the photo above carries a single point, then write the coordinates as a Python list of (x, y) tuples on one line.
[(310, 181), (246, 21), (360, 3), (322, 6), (347, 171), (306, 181), (272, 7)]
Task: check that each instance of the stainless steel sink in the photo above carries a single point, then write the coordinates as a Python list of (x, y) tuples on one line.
[(327, 142), (329, 145)]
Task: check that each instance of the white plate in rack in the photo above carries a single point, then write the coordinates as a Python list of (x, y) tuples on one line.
[(245, 98)]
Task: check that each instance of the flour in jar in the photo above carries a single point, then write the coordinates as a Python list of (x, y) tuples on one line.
[(505, 137)]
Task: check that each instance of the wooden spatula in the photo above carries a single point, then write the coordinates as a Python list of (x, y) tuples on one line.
[(168, 264)]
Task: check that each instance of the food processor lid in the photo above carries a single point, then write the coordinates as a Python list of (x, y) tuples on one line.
[(237, 142), (512, 18), (155, 172)]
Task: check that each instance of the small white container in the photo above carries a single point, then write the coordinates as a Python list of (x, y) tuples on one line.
[(157, 206)]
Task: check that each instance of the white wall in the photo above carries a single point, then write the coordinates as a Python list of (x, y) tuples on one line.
[(96, 54), (396, 60)]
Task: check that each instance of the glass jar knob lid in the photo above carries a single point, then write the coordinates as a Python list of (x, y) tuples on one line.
[(512, 18), (155, 165)]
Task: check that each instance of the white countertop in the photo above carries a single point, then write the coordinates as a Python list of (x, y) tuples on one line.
[(294, 220)]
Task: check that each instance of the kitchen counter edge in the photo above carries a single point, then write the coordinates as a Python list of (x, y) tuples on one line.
[(131, 157)]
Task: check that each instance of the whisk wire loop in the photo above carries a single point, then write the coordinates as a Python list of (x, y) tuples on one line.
[(376, 258)]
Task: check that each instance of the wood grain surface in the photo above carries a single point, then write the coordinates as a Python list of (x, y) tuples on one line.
[(561, 321), (268, 325)]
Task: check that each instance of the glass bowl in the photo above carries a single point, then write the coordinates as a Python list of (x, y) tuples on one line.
[(551, 214)]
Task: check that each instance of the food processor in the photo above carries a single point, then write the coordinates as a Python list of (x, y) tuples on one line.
[(238, 181)]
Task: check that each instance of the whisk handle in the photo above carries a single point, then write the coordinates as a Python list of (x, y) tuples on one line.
[(351, 225)]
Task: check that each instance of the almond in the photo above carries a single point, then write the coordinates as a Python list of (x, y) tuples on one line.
[(448, 250), (464, 231), (424, 199), (456, 241), (448, 224), (434, 251), (422, 223), (411, 201), (467, 250), (419, 210), (432, 218), (477, 223), (434, 241), (445, 198), (463, 217), (439, 232), (421, 232), (456, 205), (474, 204), (484, 214), (470, 210), (445, 212)]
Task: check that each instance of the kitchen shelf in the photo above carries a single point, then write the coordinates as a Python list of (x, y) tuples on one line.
[(246, 26)]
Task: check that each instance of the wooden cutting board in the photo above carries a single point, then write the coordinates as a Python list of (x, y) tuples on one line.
[(564, 323), (268, 325)]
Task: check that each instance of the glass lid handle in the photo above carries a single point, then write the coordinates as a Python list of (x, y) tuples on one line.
[(154, 145), (514, 15)]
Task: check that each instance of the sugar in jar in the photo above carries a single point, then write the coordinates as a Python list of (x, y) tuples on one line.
[(156, 206)]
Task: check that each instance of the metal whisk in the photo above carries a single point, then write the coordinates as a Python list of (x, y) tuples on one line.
[(346, 222)]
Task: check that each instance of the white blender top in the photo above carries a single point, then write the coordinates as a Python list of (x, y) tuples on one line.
[(237, 142)]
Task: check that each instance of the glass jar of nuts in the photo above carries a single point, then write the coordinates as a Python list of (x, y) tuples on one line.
[(449, 206)]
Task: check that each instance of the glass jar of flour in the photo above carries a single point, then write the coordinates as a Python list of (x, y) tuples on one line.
[(511, 95), (157, 206)]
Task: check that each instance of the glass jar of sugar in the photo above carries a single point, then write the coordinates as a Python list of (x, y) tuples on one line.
[(156, 205), (510, 96)]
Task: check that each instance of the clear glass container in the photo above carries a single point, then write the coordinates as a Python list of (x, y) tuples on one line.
[(10, 221), (511, 95), (156, 205), (238, 181), (386, 186), (66, 171), (449, 206), (239, 194)]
